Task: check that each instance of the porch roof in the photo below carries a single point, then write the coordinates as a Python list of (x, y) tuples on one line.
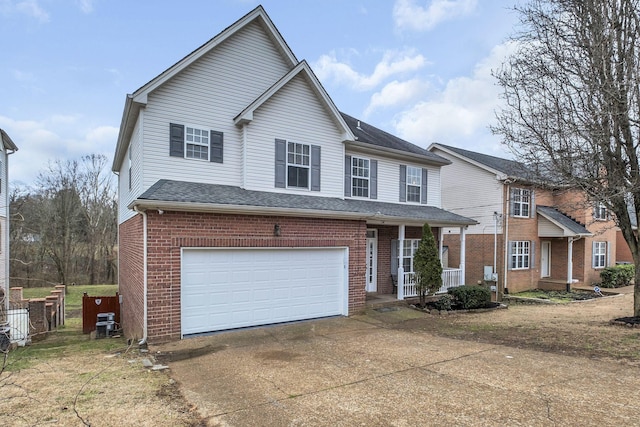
[(193, 196), (568, 226)]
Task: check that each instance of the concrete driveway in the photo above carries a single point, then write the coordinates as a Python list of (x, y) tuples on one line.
[(354, 371)]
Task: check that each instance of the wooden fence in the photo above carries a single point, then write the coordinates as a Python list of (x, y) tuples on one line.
[(91, 306)]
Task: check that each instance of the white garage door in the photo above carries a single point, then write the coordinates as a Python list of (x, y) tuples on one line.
[(235, 288)]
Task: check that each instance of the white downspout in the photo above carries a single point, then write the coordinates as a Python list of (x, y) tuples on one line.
[(144, 275), (505, 230), (244, 155), (463, 254)]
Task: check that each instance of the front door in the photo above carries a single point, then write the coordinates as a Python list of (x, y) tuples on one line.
[(372, 260), (545, 259)]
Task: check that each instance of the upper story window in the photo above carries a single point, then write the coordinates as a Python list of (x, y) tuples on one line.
[(521, 202), (414, 184), (197, 146), (600, 212), (599, 254), (193, 142), (519, 252), (298, 162), (359, 177)]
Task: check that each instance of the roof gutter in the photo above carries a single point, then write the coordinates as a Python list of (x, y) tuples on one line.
[(379, 218)]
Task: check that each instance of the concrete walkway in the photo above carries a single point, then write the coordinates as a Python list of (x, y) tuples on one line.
[(354, 371)]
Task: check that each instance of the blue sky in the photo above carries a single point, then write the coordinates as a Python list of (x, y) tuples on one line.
[(420, 69)]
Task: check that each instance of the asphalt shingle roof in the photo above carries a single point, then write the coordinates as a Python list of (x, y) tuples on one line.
[(562, 219), (511, 168), (372, 135), (221, 195)]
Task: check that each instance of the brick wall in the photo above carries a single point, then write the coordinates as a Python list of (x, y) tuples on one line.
[(623, 253), (171, 231), (131, 276), (479, 253), (386, 234)]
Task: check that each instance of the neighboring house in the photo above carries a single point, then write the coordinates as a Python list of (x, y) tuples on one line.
[(623, 252), (247, 198), (6, 148), (528, 235)]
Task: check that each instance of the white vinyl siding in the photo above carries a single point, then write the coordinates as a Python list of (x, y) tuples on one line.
[(470, 191), (548, 229), (294, 114), (388, 185), (129, 191), (210, 93)]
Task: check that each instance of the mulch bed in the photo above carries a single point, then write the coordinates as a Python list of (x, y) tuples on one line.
[(631, 322)]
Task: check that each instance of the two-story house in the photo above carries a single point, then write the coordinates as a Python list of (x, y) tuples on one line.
[(530, 234), (7, 147), (246, 198)]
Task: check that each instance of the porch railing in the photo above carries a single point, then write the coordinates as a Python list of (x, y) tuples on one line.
[(451, 278)]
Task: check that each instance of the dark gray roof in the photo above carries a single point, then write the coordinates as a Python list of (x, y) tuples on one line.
[(565, 221), (374, 136), (180, 192), (511, 168)]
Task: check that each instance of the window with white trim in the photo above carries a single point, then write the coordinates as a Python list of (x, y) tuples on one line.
[(599, 254), (521, 199), (600, 212), (298, 165), (359, 177), (409, 248), (196, 143), (520, 254), (414, 184)]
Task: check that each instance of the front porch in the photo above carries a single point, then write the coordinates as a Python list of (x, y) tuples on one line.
[(390, 251)]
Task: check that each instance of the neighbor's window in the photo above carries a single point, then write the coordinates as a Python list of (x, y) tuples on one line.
[(359, 177), (599, 254), (600, 212), (521, 199), (298, 165), (414, 183), (520, 255), (197, 143)]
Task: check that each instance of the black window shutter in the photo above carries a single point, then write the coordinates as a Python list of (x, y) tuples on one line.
[(347, 176), (315, 168), (373, 179), (532, 255), (511, 201), (217, 145), (532, 203), (394, 257), (176, 140), (509, 256), (281, 163), (403, 183), (423, 189)]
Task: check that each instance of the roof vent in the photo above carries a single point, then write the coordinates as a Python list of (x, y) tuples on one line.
[(358, 127)]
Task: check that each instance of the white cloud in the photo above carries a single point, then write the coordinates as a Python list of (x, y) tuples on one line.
[(86, 6), (33, 9), (461, 111), (392, 63), (408, 15), (396, 93), (56, 137)]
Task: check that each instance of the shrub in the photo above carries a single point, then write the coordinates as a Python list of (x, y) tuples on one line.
[(618, 276), (471, 296), (427, 266), (444, 303)]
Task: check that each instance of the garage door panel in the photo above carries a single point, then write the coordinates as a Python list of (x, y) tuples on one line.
[(232, 288)]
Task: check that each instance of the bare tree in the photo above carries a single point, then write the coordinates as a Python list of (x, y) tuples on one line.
[(572, 102)]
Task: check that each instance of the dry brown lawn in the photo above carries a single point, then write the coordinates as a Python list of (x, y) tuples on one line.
[(71, 380)]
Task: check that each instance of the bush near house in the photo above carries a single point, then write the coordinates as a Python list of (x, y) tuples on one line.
[(618, 276), (471, 296)]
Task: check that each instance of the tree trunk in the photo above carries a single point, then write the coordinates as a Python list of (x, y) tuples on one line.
[(636, 293)]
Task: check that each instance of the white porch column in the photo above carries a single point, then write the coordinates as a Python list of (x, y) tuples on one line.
[(569, 263), (400, 266), (441, 244), (463, 253)]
